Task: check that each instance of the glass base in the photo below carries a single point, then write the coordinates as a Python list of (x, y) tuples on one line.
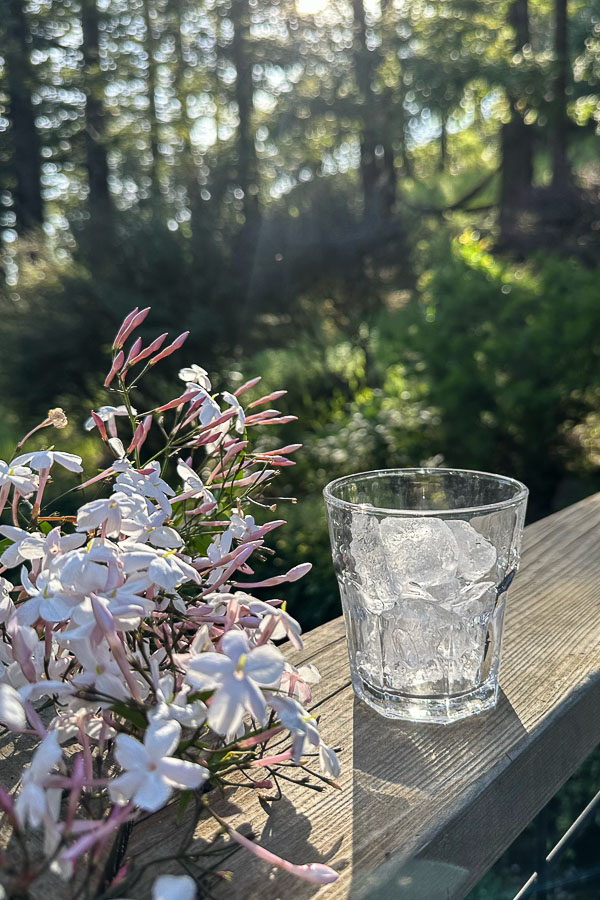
[(441, 710)]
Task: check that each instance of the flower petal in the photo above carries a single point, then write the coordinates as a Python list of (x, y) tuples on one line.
[(153, 793), (161, 739), (12, 713), (265, 665), (233, 644), (129, 753), (182, 774), (226, 709), (123, 788), (174, 887)]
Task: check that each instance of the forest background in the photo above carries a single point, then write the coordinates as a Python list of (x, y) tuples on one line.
[(389, 208)]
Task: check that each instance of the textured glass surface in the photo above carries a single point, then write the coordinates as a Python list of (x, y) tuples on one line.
[(424, 558)]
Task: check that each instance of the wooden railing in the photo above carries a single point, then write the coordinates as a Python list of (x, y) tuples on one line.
[(425, 810)]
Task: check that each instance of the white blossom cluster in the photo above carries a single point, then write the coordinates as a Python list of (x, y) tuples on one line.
[(131, 640)]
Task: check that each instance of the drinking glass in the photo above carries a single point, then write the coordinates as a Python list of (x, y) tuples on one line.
[(424, 558)]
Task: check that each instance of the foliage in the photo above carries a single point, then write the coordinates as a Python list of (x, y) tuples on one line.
[(510, 355), (158, 668)]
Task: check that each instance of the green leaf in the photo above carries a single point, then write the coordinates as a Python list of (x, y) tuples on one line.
[(135, 716), (184, 801)]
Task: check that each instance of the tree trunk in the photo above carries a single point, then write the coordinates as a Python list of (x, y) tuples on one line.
[(363, 63), (443, 157), (516, 142), (388, 181), (95, 120), (187, 153), (247, 166), (150, 45), (561, 172), (26, 156)]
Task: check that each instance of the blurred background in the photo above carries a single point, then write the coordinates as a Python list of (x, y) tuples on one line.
[(389, 208)]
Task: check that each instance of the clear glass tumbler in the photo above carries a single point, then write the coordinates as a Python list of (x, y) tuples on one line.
[(424, 558)]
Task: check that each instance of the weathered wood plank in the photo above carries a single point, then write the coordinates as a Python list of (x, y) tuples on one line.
[(425, 809)]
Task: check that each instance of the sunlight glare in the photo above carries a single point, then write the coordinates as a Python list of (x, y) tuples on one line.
[(310, 7)]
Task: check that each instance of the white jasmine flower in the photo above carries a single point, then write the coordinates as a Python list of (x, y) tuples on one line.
[(237, 673), (47, 600), (195, 375), (147, 483), (107, 414), (112, 511), (12, 713), (31, 805), (240, 418), (45, 459), (171, 887), (175, 705), (242, 527), (151, 772), (174, 887), (12, 555), (7, 607), (21, 477)]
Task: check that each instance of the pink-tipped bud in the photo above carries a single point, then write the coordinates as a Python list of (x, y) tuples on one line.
[(282, 420), (119, 339), (130, 323), (281, 451), (116, 367), (137, 438), (100, 425), (177, 401), (150, 349), (246, 386), (263, 414), (298, 571), (135, 349), (268, 398), (177, 343), (147, 424)]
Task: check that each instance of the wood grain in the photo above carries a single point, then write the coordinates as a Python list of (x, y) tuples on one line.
[(425, 810)]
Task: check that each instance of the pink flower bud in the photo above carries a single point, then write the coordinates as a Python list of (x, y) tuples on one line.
[(135, 349), (268, 398), (150, 349), (116, 367), (130, 323), (246, 386), (280, 451), (282, 420), (177, 401), (316, 873), (137, 437), (177, 343), (263, 414), (119, 339), (99, 425)]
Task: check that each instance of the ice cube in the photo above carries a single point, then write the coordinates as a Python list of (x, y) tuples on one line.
[(421, 550), (474, 601), (411, 636), (476, 555), (378, 589)]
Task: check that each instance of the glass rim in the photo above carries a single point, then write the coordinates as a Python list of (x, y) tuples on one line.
[(522, 492)]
